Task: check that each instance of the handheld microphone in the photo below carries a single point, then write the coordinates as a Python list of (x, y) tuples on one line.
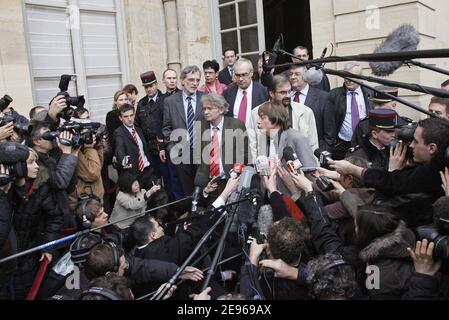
[(201, 180), (236, 170), (404, 38), (262, 165), (292, 160)]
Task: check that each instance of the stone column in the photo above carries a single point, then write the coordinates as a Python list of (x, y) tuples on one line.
[(172, 35)]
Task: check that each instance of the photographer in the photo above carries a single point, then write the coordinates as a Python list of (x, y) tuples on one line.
[(90, 163), (57, 165), (429, 146)]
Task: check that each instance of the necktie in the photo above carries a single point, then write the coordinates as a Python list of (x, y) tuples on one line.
[(243, 106), (297, 97), (355, 115), (215, 155), (141, 164), (190, 120), (231, 71)]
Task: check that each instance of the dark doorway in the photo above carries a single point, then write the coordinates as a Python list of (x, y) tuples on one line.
[(292, 19)]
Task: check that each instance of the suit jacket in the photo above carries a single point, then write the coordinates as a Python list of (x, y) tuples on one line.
[(317, 100), (175, 119), (336, 113), (126, 146), (225, 77), (259, 96), (231, 141)]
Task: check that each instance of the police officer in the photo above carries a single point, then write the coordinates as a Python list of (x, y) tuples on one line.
[(149, 117), (375, 146), (380, 101)]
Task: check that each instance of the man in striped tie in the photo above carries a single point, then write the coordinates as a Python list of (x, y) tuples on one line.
[(224, 144), (182, 111), (131, 148)]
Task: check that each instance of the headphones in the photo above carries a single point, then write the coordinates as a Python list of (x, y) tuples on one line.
[(329, 266), (115, 255), (105, 293), (83, 200)]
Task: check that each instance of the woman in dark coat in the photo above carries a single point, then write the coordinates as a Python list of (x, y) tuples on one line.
[(36, 221)]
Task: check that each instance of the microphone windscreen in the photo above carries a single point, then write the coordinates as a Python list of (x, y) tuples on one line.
[(313, 76), (246, 177), (12, 153), (262, 165), (404, 38), (265, 219)]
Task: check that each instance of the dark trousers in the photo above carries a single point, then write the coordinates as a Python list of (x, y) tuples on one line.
[(186, 174), (175, 184), (147, 179)]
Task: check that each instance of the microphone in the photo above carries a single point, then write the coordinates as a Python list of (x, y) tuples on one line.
[(264, 221), (245, 178), (292, 160), (236, 170), (313, 76), (404, 38), (201, 180), (262, 165)]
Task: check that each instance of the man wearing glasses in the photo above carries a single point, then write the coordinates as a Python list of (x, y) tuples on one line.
[(246, 94)]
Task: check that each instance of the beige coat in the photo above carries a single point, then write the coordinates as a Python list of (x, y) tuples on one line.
[(127, 205), (90, 162)]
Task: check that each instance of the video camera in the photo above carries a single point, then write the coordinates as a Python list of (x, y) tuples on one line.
[(20, 126), (78, 102), (437, 236), (80, 138), (13, 156)]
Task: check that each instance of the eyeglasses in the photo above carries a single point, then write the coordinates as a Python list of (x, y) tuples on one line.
[(296, 74), (242, 75)]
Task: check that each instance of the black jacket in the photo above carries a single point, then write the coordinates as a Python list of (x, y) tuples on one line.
[(126, 146), (37, 219), (336, 113), (423, 178), (259, 96), (5, 218), (318, 101), (422, 287), (368, 151), (225, 77), (149, 117)]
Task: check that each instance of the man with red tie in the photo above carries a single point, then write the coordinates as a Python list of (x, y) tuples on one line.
[(246, 94), (131, 148), (224, 141)]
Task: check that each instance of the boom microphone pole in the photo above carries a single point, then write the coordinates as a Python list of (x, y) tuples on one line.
[(392, 97), (413, 87), (427, 66), (376, 57), (203, 240), (81, 233)]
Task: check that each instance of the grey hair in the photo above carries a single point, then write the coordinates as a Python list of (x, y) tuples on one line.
[(242, 61), (350, 65), (216, 100), (187, 70)]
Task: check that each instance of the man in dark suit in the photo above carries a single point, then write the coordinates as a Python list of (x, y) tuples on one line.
[(131, 148), (303, 53), (224, 143), (347, 106), (229, 58), (304, 94), (246, 94), (182, 112)]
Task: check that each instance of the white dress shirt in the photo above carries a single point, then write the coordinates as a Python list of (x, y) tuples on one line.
[(238, 101), (346, 131)]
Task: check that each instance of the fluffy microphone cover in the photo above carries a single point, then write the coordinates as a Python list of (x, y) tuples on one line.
[(404, 38)]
